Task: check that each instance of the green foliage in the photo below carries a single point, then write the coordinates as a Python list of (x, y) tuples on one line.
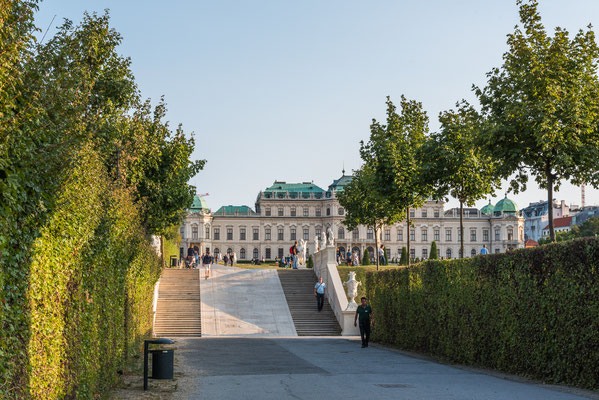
[(404, 256), (530, 311), (366, 257), (310, 262), (433, 253), (543, 106)]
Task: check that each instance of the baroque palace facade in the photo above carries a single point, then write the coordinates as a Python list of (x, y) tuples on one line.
[(285, 212)]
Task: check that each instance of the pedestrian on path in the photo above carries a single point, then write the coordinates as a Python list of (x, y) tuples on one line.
[(206, 261), (484, 250), (293, 251), (226, 259), (319, 289), (365, 313)]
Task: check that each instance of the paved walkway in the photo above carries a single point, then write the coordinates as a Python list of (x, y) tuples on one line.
[(315, 368), (244, 302)]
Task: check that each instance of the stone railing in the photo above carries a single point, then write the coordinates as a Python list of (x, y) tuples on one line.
[(325, 266)]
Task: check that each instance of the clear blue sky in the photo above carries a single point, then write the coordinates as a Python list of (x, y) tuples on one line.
[(285, 90)]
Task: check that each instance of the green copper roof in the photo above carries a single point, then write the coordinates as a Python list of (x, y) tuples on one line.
[(234, 210), (339, 184), (505, 205), (488, 209), (199, 205), (305, 189)]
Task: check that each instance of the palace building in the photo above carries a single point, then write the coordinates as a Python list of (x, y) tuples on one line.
[(285, 212)]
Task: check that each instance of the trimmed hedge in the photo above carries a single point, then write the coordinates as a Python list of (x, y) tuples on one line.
[(532, 311)]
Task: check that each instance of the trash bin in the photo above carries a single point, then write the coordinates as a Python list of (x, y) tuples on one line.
[(162, 364), (174, 261)]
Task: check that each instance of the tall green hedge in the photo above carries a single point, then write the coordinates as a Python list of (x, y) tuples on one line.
[(532, 312)]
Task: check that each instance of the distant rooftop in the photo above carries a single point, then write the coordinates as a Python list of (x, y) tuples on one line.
[(235, 210)]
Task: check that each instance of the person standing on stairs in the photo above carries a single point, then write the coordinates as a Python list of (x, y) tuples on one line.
[(365, 313), (206, 261), (319, 289), (294, 252)]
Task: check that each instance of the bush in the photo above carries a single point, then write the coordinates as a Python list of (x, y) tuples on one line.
[(404, 256), (531, 311), (434, 254), (366, 258), (310, 262)]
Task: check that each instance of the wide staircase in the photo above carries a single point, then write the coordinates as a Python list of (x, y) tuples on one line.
[(298, 286), (178, 310)]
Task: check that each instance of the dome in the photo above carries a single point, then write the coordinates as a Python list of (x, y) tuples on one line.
[(505, 206), (488, 209), (199, 205)]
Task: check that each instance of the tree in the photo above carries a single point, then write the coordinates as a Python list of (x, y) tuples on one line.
[(543, 105), (434, 254), (404, 256), (456, 164), (366, 258)]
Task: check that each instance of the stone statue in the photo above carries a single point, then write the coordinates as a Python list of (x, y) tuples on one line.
[(316, 245), (352, 290), (323, 240), (301, 249), (331, 237)]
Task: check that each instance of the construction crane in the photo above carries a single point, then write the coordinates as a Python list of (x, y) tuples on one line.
[(204, 195), (582, 196)]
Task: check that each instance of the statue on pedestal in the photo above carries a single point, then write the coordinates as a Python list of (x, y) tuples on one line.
[(352, 290), (323, 240), (301, 250), (316, 245), (331, 237)]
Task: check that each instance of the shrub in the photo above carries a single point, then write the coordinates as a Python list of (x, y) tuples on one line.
[(530, 311), (366, 257), (310, 262), (404, 256), (434, 254)]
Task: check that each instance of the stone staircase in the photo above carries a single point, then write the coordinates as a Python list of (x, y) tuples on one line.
[(178, 309), (298, 286)]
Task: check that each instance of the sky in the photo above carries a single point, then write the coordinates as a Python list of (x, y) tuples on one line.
[(286, 90)]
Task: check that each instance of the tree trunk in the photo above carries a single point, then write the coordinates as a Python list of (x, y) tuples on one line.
[(408, 236), (550, 206), (376, 246), (461, 229)]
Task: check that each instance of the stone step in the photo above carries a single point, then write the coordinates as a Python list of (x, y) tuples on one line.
[(178, 311)]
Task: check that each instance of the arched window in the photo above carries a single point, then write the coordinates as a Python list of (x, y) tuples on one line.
[(341, 233), (448, 254), (472, 253), (328, 211), (371, 254), (256, 253), (341, 211), (216, 252), (242, 254), (229, 251)]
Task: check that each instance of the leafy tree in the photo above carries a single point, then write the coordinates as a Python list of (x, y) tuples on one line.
[(366, 258), (404, 256), (543, 105), (434, 254), (455, 163)]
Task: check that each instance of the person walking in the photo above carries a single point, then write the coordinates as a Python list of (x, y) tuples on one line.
[(206, 262), (294, 252), (319, 290), (226, 259), (382, 255), (484, 250), (364, 312)]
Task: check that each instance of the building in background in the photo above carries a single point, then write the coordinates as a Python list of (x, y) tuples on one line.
[(563, 224), (536, 217), (286, 212)]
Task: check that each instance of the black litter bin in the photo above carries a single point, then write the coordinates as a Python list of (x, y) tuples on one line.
[(162, 364)]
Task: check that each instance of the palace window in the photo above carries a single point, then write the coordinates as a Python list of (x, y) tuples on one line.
[(318, 211), (424, 235), (341, 233), (216, 234), (340, 211), (207, 231), (194, 232), (424, 213), (472, 253), (400, 234), (424, 253), (436, 235), (182, 231), (485, 235), (267, 211), (497, 234), (356, 233), (448, 254), (280, 212), (267, 235), (412, 253), (241, 233), (496, 251), (318, 231), (280, 234), (306, 212), (242, 253), (412, 235), (436, 213), (256, 253), (388, 235), (229, 233), (370, 233), (328, 211), (293, 211), (459, 234), (510, 234), (473, 235), (412, 213), (268, 255), (306, 234), (448, 235), (280, 252), (293, 234), (255, 234)]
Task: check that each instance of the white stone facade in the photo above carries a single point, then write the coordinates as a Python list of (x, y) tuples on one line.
[(281, 219)]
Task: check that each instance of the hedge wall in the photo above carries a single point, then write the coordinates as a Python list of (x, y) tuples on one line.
[(532, 312), (86, 300)]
